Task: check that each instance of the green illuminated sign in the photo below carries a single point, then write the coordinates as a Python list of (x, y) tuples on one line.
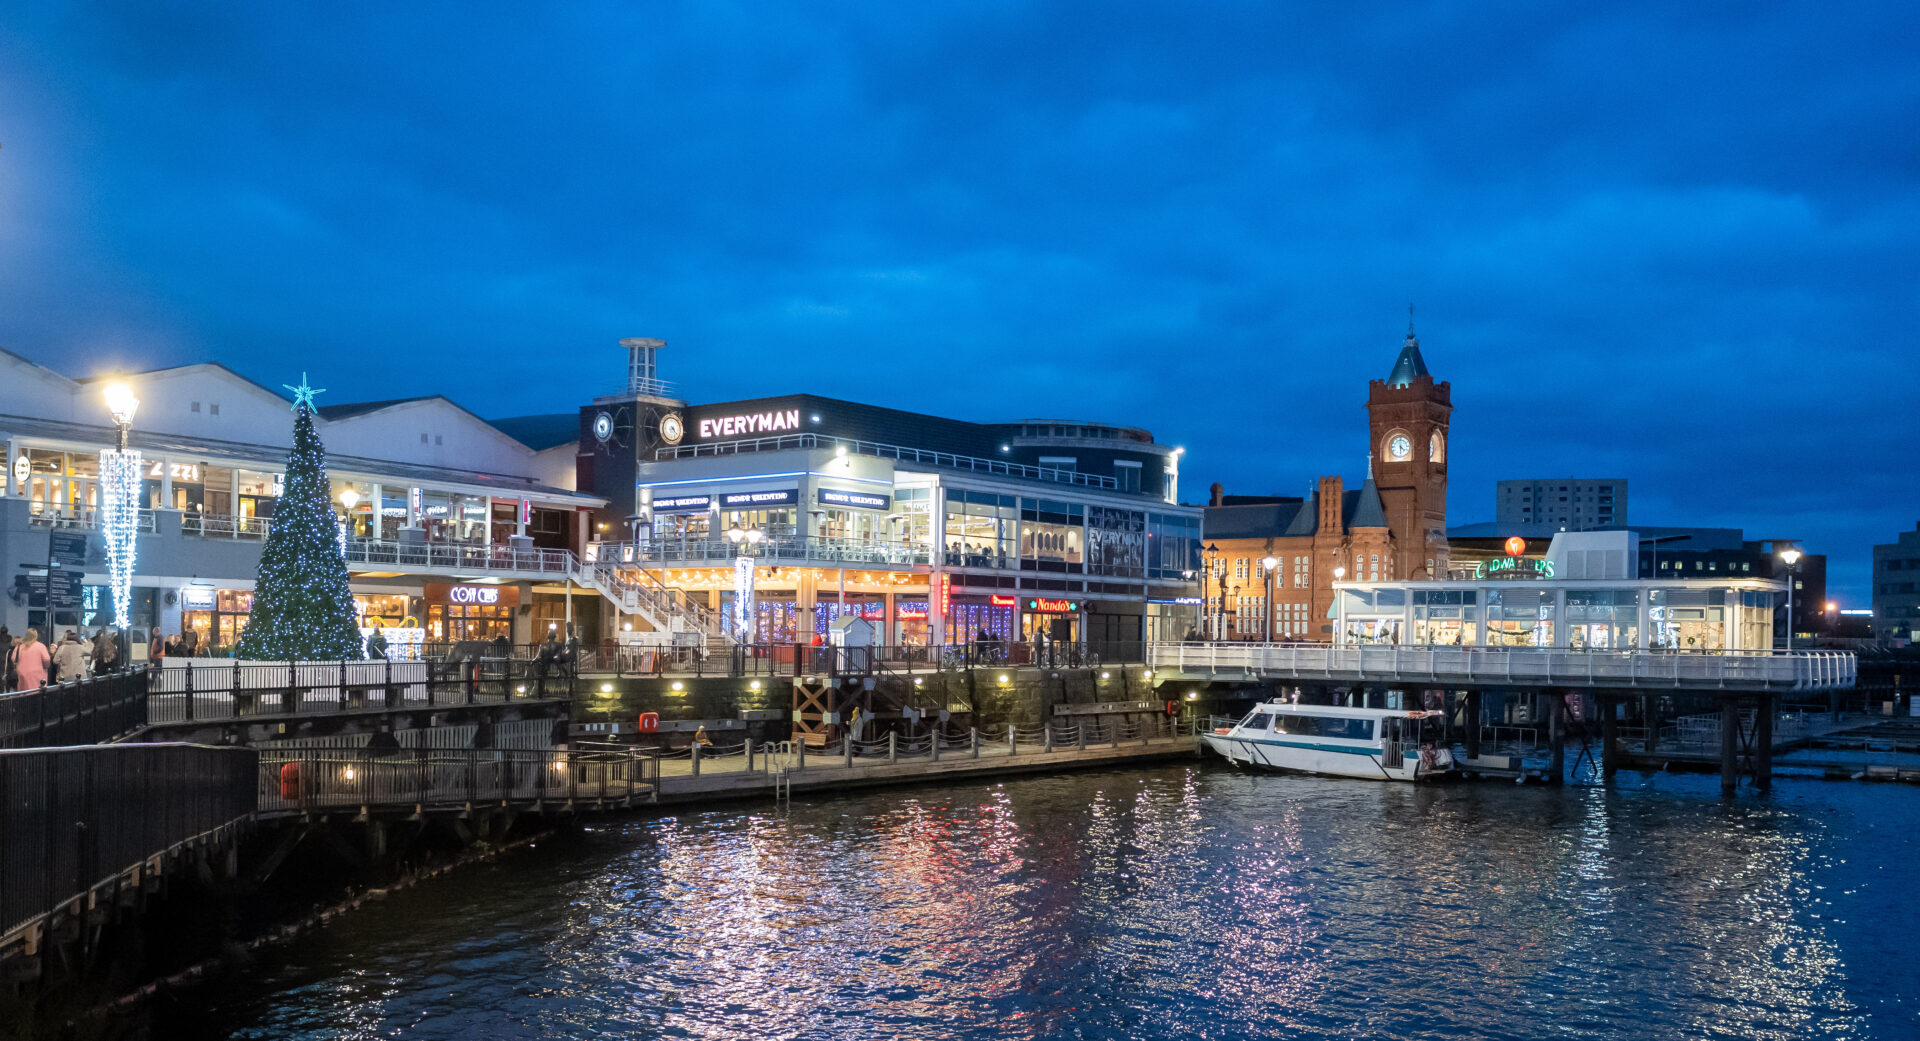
[(1513, 567)]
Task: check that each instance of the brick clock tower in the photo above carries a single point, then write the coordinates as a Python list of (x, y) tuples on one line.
[(1407, 416)]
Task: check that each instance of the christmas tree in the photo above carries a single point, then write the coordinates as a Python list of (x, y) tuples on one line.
[(302, 607)]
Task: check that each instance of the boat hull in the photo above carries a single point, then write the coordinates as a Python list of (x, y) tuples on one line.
[(1325, 759)]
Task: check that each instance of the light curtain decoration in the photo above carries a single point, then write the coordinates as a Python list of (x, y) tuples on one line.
[(120, 484)]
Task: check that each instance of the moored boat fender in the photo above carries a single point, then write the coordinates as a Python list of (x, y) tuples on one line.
[(290, 781)]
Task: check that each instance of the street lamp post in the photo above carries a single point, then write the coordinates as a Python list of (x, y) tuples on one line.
[(1269, 563), (1212, 555), (1339, 575), (120, 477), (1791, 557)]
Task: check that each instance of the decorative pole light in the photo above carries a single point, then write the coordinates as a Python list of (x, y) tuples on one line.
[(120, 480), (745, 613), (1791, 557)]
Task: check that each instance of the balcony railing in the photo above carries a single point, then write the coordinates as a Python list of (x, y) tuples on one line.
[(722, 551), (224, 525), (441, 556), (1554, 666), (942, 460), (54, 515)]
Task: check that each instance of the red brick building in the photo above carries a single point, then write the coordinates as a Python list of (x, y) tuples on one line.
[(1394, 526)]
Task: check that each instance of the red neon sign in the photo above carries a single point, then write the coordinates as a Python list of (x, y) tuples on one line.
[(1003, 601), (942, 595)]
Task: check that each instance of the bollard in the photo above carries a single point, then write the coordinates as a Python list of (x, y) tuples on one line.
[(749, 755), (846, 745), (933, 742), (694, 758), (800, 754), (893, 746), (1080, 736), (974, 740), (1046, 738), (1012, 747)]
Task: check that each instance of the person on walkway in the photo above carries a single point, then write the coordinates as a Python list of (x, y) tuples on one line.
[(102, 653), (29, 662), (70, 659), (156, 646), (700, 737), (6, 664), (189, 643)]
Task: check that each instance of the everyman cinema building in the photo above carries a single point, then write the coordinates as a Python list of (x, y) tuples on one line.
[(806, 508)]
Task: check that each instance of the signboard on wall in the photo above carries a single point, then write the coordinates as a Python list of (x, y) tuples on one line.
[(757, 500), (473, 595), (197, 598), (857, 500), (682, 503), (1048, 605)]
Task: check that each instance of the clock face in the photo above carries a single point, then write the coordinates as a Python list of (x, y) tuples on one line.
[(671, 428), (1399, 447), (603, 425)]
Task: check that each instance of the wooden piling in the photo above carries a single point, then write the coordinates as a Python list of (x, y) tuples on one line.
[(1556, 736), (1729, 746), (1763, 742), (1609, 736)]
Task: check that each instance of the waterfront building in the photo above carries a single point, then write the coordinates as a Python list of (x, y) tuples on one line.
[(1675, 552), (1392, 527), (936, 530), (1584, 593), (450, 526), (1563, 503), (1896, 584)]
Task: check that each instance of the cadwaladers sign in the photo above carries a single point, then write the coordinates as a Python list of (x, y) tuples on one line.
[(1513, 567)]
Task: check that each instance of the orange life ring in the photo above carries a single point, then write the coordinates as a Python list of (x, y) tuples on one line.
[(290, 781), (649, 722)]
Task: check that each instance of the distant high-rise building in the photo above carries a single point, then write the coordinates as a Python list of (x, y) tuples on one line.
[(1573, 503), (1896, 583)]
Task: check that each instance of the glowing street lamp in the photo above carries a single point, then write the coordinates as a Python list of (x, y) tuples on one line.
[(120, 478), (1268, 563), (744, 609), (1790, 557)]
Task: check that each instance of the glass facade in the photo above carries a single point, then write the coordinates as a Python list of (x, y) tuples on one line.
[(981, 529)]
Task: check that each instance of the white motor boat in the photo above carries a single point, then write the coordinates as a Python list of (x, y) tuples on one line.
[(1375, 743)]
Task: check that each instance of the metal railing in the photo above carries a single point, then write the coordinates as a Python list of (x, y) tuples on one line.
[(224, 525), (53, 515), (78, 712), (72, 819), (186, 690), (942, 460), (783, 549), (455, 556), (312, 780), (1740, 670)]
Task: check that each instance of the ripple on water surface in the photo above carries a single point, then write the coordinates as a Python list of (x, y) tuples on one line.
[(1188, 902)]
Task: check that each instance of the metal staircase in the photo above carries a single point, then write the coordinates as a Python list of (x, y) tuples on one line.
[(636, 591)]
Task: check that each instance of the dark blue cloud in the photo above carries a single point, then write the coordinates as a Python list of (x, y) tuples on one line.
[(1666, 241)]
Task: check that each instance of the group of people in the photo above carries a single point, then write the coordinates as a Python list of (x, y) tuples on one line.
[(32, 663)]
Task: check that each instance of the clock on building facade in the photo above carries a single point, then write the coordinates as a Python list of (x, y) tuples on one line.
[(1399, 448), (672, 428)]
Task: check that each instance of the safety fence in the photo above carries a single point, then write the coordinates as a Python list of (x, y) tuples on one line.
[(78, 712), (74, 819), (317, 780), (187, 690), (931, 745)]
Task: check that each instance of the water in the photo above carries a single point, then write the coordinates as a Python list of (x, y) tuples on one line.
[(1186, 902)]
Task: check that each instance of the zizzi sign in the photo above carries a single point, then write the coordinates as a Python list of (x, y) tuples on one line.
[(859, 500), (196, 598), (1046, 605), (1513, 567), (740, 500), (474, 595), (750, 423)]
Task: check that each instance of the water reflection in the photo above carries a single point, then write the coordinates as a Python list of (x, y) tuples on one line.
[(1186, 902)]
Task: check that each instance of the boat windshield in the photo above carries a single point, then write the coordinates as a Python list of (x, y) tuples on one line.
[(1346, 728), (1256, 721)]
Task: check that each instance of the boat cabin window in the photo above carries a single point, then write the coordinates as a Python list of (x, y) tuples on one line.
[(1325, 726), (1257, 721)]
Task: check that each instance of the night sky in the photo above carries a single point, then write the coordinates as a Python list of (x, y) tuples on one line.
[(1671, 242)]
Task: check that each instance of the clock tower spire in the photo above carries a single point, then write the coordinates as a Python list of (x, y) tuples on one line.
[(1408, 415)]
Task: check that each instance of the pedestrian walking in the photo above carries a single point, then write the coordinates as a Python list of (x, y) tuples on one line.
[(29, 662), (70, 659), (156, 646), (6, 663)]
